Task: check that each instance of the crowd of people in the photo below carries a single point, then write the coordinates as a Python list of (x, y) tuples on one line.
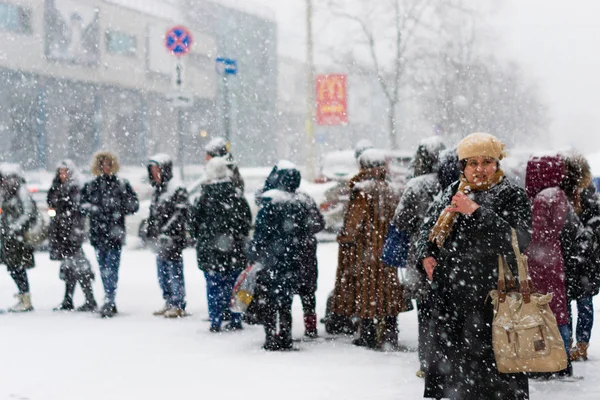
[(436, 242)]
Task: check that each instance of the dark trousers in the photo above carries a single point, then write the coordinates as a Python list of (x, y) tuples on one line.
[(585, 319), (309, 303), (279, 310), (423, 313), (19, 275), (219, 287)]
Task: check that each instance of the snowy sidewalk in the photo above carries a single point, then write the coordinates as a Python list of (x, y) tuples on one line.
[(47, 355)]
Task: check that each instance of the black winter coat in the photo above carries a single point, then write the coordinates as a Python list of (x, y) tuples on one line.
[(66, 231), (167, 222), (220, 224), (582, 257), (460, 361), (309, 271), (281, 232), (18, 214), (107, 200)]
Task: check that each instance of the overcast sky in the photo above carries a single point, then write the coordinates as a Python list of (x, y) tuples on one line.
[(556, 41)]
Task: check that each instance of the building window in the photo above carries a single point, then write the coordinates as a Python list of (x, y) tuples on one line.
[(14, 18), (121, 43)]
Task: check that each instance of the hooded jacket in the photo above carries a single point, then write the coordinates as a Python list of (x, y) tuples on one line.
[(218, 148), (281, 232), (169, 209), (107, 200), (18, 214), (66, 231)]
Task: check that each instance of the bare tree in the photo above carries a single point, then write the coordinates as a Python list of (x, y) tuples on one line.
[(386, 32)]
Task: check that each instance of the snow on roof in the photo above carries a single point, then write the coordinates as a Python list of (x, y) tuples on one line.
[(285, 164)]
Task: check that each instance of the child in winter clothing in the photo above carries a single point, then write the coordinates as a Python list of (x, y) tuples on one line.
[(18, 214), (282, 228), (107, 200), (221, 221), (66, 236), (167, 227)]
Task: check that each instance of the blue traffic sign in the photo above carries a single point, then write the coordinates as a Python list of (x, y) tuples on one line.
[(178, 40), (226, 66)]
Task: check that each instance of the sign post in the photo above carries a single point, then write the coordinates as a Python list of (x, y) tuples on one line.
[(226, 67), (178, 41)]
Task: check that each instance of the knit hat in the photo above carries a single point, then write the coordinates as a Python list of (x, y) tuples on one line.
[(480, 145)]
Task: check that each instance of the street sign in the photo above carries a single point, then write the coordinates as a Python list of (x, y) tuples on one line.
[(178, 40), (226, 66), (332, 99), (180, 99)]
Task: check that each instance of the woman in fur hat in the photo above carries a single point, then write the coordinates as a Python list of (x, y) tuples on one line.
[(458, 247)]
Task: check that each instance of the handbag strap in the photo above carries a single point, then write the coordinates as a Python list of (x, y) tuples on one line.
[(524, 282), (506, 280)]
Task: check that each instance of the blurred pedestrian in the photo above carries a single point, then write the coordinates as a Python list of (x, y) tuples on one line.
[(66, 235), (221, 221), (18, 214), (107, 200), (218, 147), (167, 231)]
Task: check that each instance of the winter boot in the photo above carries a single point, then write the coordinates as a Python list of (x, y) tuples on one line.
[(579, 352), (271, 340), (175, 312), (88, 307), (368, 334), (233, 326), (108, 310), (310, 325), (161, 312), (390, 334), (23, 304), (66, 305), (90, 303)]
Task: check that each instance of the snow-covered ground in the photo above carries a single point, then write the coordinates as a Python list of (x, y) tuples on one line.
[(48, 355)]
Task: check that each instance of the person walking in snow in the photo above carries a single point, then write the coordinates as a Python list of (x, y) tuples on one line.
[(307, 284), (282, 226), (365, 287), (463, 233), (418, 195), (218, 147), (167, 230), (221, 221), (107, 200), (582, 276), (66, 236), (555, 227), (18, 215)]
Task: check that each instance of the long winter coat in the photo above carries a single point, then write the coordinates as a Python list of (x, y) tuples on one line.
[(281, 231), (107, 200), (18, 214), (365, 287), (66, 232), (554, 226), (460, 359), (167, 221), (583, 267), (220, 224)]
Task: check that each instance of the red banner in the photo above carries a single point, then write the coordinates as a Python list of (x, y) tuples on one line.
[(332, 99)]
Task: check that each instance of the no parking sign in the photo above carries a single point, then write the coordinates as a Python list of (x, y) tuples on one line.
[(178, 40)]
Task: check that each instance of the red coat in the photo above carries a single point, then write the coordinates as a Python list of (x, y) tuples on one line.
[(550, 211)]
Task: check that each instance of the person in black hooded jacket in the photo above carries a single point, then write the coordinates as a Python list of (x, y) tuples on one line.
[(221, 221), (281, 229), (66, 236), (167, 227)]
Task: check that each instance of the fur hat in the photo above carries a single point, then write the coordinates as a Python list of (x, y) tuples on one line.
[(99, 157), (480, 145), (217, 147)]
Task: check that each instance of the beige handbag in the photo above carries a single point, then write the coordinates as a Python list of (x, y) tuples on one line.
[(525, 335)]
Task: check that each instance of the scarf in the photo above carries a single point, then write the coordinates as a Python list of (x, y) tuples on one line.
[(439, 233)]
